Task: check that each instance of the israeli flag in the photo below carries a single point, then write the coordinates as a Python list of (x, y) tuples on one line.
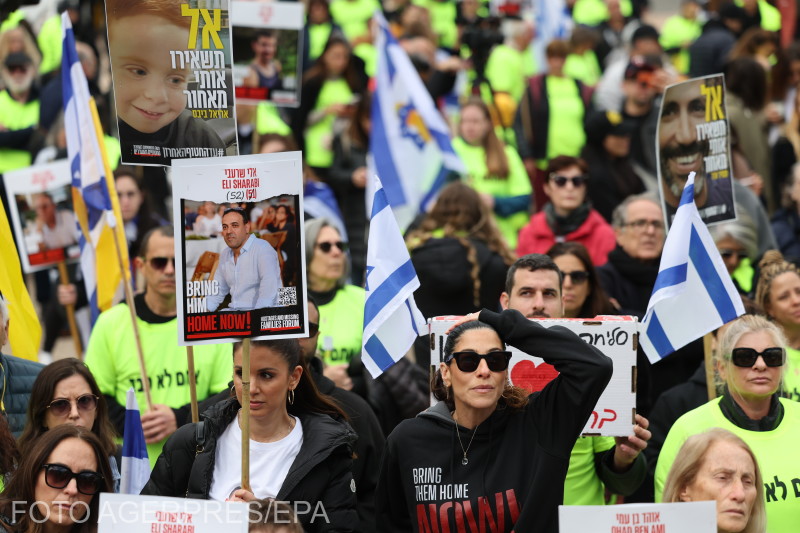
[(553, 21), (320, 202), (693, 293), (409, 140), (135, 464), (391, 319)]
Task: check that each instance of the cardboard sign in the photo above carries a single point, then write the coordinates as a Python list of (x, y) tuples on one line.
[(615, 336), (697, 517), (694, 136), (173, 88), (239, 276), (267, 52), (40, 201), (129, 513)]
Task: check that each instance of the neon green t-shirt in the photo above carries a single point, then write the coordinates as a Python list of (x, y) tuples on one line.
[(353, 15), (507, 69), (319, 136), (582, 486), (744, 274), (369, 54), (49, 40), (775, 451), (595, 12), (16, 116), (318, 35), (268, 120), (443, 20), (565, 133), (341, 325), (583, 67), (678, 31), (111, 356), (791, 376), (770, 15), (516, 184)]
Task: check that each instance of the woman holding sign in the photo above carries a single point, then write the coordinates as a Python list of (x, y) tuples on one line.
[(300, 448), (752, 363), (488, 451)]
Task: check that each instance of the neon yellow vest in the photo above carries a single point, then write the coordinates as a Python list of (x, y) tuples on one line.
[(49, 40), (16, 116)]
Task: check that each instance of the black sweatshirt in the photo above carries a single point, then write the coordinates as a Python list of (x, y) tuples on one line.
[(518, 459)]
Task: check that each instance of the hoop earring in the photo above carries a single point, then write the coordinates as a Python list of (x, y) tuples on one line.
[(233, 390), (290, 396)]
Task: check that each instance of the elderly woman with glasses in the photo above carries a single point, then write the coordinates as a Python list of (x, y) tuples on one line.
[(341, 304), (568, 216), (55, 487), (751, 365), (66, 393), (488, 450)]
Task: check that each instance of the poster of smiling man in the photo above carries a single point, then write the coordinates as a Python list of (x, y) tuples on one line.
[(239, 262), (693, 136), (173, 88)]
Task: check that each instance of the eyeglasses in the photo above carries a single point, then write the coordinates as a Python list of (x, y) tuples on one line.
[(726, 253), (641, 225), (59, 476), (326, 247), (561, 181), (469, 361), (313, 328), (160, 263), (747, 357), (62, 406), (578, 277)]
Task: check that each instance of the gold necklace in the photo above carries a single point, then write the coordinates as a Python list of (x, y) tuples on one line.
[(464, 460)]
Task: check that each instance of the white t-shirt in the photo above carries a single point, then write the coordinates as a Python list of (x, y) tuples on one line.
[(269, 462)]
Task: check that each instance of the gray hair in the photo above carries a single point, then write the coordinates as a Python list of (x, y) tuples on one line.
[(740, 230), (312, 228), (620, 215)]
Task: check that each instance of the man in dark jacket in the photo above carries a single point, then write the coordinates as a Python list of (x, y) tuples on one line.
[(708, 53), (16, 380)]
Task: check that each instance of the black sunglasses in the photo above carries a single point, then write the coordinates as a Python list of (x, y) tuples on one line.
[(726, 253), (62, 406), (59, 476), (561, 181), (577, 276), (326, 247), (747, 357), (313, 328), (160, 263), (469, 361)]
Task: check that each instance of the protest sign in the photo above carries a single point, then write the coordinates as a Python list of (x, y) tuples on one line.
[(694, 136), (697, 517), (129, 513), (239, 251), (41, 212), (173, 88), (267, 52), (614, 336)]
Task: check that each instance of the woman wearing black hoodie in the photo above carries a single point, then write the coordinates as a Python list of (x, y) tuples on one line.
[(488, 455)]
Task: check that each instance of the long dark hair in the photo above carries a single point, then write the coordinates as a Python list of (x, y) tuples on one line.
[(597, 302), (747, 79), (42, 394), (10, 455), (514, 398), (22, 486), (307, 398), (319, 71), (146, 218)]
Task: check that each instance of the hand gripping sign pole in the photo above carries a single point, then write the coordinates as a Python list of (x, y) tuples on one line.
[(73, 326)]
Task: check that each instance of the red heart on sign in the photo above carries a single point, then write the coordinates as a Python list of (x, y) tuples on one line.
[(533, 378)]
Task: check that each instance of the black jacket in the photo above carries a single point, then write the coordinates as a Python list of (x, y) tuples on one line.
[(16, 380), (321, 474), (517, 461)]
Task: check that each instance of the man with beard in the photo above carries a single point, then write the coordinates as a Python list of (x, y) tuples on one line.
[(533, 287), (683, 150), (265, 70), (248, 269), (19, 110)]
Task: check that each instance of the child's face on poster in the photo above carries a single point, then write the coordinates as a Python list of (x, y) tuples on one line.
[(149, 92)]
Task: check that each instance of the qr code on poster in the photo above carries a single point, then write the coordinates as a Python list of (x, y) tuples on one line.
[(287, 296)]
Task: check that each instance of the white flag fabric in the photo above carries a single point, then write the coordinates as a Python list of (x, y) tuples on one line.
[(409, 139), (391, 319), (693, 294), (135, 470)]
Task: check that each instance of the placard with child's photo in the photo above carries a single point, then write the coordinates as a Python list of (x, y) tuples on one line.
[(41, 213), (267, 51), (239, 251), (173, 83)]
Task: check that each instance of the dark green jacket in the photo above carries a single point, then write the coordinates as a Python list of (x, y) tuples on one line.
[(16, 381)]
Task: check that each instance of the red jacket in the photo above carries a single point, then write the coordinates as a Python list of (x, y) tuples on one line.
[(595, 234)]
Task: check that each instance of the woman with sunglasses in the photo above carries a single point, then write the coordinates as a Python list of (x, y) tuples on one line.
[(582, 293), (568, 216), (778, 294), (66, 393), (341, 304), (55, 487), (488, 448), (751, 365)]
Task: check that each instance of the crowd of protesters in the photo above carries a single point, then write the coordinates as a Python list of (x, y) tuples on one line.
[(556, 215)]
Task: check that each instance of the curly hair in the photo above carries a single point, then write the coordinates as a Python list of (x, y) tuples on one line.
[(460, 214), (771, 266)]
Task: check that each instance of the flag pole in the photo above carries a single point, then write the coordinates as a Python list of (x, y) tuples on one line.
[(708, 354), (246, 414), (192, 384), (73, 326)]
